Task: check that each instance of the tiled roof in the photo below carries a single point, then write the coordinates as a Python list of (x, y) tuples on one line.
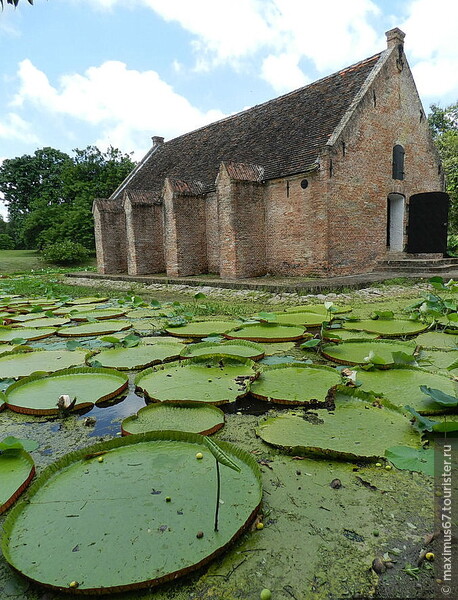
[(284, 135)]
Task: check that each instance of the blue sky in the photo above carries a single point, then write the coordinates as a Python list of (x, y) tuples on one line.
[(116, 72)]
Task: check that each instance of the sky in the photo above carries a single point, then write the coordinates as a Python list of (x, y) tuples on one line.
[(75, 73)]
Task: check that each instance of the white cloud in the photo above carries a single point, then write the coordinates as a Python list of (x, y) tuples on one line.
[(126, 105), (13, 127), (433, 49), (283, 73)]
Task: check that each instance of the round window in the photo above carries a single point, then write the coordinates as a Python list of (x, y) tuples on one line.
[(304, 184)]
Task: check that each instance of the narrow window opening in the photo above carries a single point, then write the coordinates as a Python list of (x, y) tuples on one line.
[(287, 189), (331, 168), (374, 98), (421, 116), (343, 148), (398, 162)]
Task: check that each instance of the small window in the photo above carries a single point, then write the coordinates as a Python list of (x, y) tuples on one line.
[(398, 162), (304, 184)]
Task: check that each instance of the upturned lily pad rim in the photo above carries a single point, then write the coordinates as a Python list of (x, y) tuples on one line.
[(111, 313), (25, 484), (258, 350), (160, 405), (352, 326), (105, 447), (343, 361), (75, 330), (157, 361), (73, 371), (198, 360), (293, 337), (87, 300), (28, 333), (175, 331), (312, 402)]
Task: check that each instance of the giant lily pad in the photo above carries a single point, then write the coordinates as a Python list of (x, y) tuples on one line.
[(295, 384), (205, 419), (8, 334), (359, 352), (162, 339), (437, 340), (388, 327), (401, 386), (45, 322), (21, 364), (240, 348), (307, 319), (38, 394), (355, 431), (200, 329), (89, 329), (121, 513), (342, 334), (99, 313), (266, 332), (215, 380), (318, 308), (86, 300), (138, 357), (17, 470)]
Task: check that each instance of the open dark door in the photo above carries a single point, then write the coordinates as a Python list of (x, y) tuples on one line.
[(428, 220)]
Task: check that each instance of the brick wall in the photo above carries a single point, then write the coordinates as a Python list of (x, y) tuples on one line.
[(185, 232), (241, 212), (212, 232), (145, 236), (110, 236), (356, 172)]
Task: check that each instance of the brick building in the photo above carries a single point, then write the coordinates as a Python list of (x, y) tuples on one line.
[(327, 179)]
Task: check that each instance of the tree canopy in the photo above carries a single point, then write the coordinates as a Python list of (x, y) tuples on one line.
[(14, 2), (444, 127), (49, 194)]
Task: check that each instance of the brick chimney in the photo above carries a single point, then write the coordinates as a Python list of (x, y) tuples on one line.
[(395, 37), (157, 141)]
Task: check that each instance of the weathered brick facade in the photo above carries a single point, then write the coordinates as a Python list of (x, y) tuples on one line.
[(303, 184)]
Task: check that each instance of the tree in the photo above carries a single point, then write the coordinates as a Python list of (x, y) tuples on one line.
[(49, 194), (444, 127)]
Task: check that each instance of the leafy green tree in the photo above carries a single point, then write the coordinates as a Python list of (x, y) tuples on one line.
[(6, 242), (444, 127), (14, 2), (49, 194)]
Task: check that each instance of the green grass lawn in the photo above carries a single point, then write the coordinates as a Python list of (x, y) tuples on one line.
[(20, 261)]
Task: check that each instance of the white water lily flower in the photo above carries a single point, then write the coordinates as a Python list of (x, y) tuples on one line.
[(328, 305), (350, 375)]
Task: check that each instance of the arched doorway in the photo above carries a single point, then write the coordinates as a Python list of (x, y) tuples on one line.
[(395, 223)]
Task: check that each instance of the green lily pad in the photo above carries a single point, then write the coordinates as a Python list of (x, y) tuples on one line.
[(387, 328), (359, 352), (439, 360), (23, 318), (38, 394), (122, 500), (307, 319), (412, 459), (205, 419), (21, 364), (75, 308), (401, 386), (5, 348), (278, 348), (240, 348), (17, 470), (162, 339), (296, 384), (200, 329), (90, 329), (137, 357), (266, 332), (355, 431), (215, 380), (437, 340), (99, 313), (319, 308), (142, 313), (86, 300), (44, 322), (8, 334), (348, 334)]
